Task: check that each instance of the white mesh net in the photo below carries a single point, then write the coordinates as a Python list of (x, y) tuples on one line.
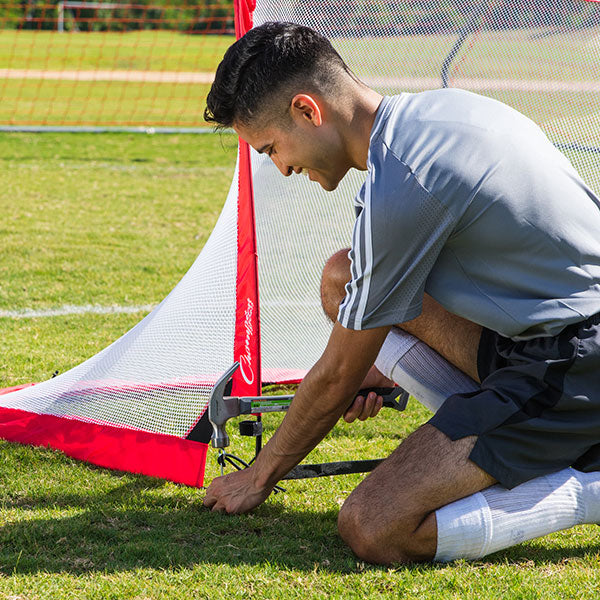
[(298, 226), (542, 57), (158, 376), (544, 60)]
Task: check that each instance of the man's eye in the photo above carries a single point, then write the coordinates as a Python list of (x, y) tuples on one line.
[(271, 151)]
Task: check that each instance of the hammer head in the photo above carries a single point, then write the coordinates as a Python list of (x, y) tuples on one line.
[(222, 408)]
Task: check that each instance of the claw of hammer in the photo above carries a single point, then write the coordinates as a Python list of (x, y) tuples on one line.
[(222, 408)]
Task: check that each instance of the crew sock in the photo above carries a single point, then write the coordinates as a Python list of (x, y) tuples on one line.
[(420, 370), (497, 518)]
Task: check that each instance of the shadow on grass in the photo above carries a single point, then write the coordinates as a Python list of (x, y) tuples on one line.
[(528, 554), (132, 526)]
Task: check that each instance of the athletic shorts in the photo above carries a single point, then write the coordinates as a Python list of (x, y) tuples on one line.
[(538, 410)]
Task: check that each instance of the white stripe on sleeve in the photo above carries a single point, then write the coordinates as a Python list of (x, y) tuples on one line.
[(356, 301), (346, 308), (368, 239)]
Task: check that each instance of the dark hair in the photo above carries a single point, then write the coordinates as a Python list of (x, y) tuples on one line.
[(266, 62)]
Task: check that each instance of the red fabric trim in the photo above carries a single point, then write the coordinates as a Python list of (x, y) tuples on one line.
[(246, 346), (283, 376), (153, 454), (269, 376), (293, 381), (120, 386)]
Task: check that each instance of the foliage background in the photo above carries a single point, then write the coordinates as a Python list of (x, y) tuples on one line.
[(206, 16)]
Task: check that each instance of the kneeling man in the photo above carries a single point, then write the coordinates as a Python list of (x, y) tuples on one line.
[(473, 281)]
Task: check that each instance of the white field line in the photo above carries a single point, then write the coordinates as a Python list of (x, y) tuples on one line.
[(106, 75), (532, 85), (69, 309), (528, 85)]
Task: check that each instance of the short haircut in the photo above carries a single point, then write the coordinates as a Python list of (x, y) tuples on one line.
[(266, 67)]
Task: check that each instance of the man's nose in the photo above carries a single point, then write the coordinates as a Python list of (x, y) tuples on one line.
[(285, 169)]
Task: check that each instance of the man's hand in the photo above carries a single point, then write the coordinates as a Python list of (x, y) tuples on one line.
[(235, 493), (317, 406), (365, 407)]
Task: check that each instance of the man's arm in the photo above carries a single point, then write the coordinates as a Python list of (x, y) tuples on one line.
[(322, 397)]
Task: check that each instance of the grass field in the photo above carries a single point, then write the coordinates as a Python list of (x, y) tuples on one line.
[(53, 102), (110, 103), (117, 219), (135, 50)]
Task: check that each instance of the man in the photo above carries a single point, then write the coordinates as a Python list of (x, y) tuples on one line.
[(474, 273)]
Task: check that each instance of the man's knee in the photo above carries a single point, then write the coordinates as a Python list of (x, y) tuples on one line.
[(390, 516), (368, 535), (336, 274)]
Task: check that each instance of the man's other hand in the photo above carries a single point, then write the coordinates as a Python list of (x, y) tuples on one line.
[(364, 407), (235, 493)]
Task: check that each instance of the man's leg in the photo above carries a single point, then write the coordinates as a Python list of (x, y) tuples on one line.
[(390, 516), (497, 518), (482, 521), (454, 338), (420, 370), (428, 501), (406, 360)]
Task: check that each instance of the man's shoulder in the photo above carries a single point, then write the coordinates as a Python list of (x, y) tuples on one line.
[(411, 121), (448, 139)]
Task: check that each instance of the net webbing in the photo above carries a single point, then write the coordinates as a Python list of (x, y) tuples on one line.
[(544, 62), (79, 63), (158, 376)]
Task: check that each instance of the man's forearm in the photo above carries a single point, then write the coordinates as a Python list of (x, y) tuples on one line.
[(315, 409), (322, 398)]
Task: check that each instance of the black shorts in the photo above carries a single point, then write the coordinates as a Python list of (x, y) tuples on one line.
[(538, 410)]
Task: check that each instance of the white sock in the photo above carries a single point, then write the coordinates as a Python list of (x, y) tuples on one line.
[(420, 370), (497, 518)]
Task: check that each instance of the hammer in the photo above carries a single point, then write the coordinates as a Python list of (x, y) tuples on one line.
[(221, 408)]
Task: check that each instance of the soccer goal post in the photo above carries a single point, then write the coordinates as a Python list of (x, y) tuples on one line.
[(252, 296), (75, 7)]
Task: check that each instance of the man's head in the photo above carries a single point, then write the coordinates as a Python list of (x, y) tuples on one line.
[(281, 87), (260, 74)]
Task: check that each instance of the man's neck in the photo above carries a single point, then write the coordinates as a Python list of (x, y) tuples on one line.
[(358, 123)]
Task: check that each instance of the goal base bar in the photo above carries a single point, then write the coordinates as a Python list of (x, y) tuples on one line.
[(144, 453)]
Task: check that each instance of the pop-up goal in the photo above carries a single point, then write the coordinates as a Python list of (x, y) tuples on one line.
[(252, 296)]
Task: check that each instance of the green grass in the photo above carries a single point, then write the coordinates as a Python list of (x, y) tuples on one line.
[(107, 103), (117, 219), (105, 219), (136, 50), (63, 102)]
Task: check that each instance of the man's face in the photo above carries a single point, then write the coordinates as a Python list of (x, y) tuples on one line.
[(301, 145)]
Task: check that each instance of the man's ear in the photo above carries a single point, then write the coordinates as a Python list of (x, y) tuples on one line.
[(307, 108)]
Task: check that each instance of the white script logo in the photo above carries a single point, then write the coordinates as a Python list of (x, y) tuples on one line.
[(246, 359)]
